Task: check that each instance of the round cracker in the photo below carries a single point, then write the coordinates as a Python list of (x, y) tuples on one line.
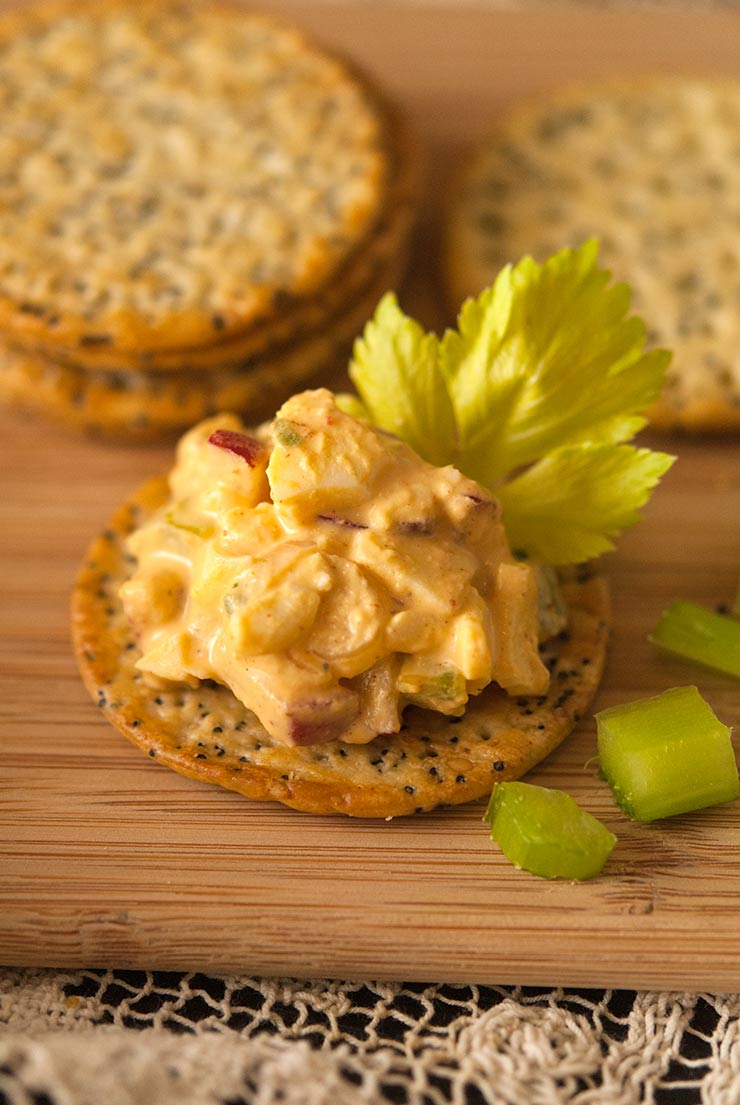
[(292, 317), (174, 167), (141, 406), (207, 734), (650, 167)]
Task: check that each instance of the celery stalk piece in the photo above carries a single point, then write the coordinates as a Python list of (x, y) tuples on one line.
[(546, 832), (199, 531), (696, 633), (666, 755)]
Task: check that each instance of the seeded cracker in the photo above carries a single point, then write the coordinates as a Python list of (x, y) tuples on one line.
[(173, 171), (652, 168), (149, 406), (207, 734), (292, 317)]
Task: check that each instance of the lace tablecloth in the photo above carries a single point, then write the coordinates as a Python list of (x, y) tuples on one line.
[(164, 1038)]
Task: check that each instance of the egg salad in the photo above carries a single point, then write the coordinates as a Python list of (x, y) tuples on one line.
[(330, 577)]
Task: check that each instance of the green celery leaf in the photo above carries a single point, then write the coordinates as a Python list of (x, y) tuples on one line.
[(351, 405), (545, 358), (541, 384), (568, 506), (484, 373), (395, 368)]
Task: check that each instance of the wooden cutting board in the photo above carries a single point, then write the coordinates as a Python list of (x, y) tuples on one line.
[(109, 860)]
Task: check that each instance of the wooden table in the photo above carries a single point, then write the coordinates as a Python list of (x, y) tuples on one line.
[(108, 860)]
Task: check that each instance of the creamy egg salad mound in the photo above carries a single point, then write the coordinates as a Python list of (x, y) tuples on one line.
[(329, 577)]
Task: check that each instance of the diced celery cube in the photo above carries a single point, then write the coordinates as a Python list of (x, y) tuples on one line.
[(698, 634), (286, 433), (199, 531), (434, 687), (546, 832), (666, 755)]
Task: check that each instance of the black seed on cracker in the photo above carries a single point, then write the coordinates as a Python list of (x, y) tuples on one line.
[(563, 698), (88, 340)]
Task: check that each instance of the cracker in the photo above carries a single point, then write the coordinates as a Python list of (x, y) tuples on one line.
[(145, 406), (651, 167), (173, 170), (205, 733), (383, 247)]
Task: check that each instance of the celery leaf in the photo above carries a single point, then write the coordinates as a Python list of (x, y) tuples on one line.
[(545, 358), (352, 405), (541, 384), (570, 505), (395, 368)]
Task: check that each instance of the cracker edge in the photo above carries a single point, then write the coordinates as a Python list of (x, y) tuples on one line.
[(45, 388)]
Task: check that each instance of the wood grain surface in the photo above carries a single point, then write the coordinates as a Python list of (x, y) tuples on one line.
[(107, 859)]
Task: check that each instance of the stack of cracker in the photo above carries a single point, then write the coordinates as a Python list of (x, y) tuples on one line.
[(199, 210), (649, 166)]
